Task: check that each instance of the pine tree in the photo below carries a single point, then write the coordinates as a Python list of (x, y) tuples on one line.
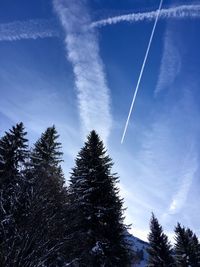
[(96, 210), (187, 247), (160, 251), (13, 152), (46, 155), (195, 245), (13, 155), (47, 199), (34, 234)]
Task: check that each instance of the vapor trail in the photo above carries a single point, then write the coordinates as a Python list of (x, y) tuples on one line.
[(189, 170), (31, 29), (82, 49), (171, 62), (177, 12), (142, 70)]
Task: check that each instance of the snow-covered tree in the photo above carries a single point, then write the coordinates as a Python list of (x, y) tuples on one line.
[(13, 152), (187, 247), (46, 155), (160, 251), (33, 231), (97, 229), (13, 155), (47, 196)]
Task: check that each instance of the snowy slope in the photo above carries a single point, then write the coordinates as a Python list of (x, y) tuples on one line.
[(140, 247)]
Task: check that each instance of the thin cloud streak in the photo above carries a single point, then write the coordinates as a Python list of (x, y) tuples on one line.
[(180, 197), (178, 12), (31, 29), (170, 63), (83, 52), (172, 161), (142, 70), (47, 28)]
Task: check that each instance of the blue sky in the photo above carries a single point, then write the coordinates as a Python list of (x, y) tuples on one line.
[(58, 66)]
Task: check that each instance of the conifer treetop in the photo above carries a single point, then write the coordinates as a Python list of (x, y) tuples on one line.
[(187, 247), (13, 150), (160, 251), (47, 149), (97, 208)]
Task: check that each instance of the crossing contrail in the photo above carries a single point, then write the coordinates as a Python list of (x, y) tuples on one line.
[(29, 29), (176, 12), (82, 49), (142, 70)]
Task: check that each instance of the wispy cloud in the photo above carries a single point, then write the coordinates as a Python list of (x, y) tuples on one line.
[(31, 29), (173, 160), (170, 63), (181, 195), (46, 28), (83, 52), (178, 12), (173, 157), (189, 169)]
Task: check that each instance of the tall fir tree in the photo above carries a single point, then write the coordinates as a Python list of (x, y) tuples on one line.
[(160, 251), (13, 155), (46, 155), (97, 229), (187, 247), (48, 197), (195, 245), (36, 237)]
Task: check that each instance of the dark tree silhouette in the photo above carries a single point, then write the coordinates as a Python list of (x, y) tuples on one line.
[(160, 251), (187, 247), (98, 232)]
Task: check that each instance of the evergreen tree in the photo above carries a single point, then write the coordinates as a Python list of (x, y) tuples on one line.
[(46, 155), (160, 251), (48, 196), (36, 237), (97, 229), (195, 245), (187, 247), (13, 155)]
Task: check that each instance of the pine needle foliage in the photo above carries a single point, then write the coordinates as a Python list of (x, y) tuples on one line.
[(160, 251), (96, 208), (13, 152), (187, 247)]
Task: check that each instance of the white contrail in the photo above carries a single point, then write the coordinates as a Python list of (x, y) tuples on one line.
[(31, 29), (142, 70), (83, 52), (44, 28), (170, 62), (190, 167), (178, 12)]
